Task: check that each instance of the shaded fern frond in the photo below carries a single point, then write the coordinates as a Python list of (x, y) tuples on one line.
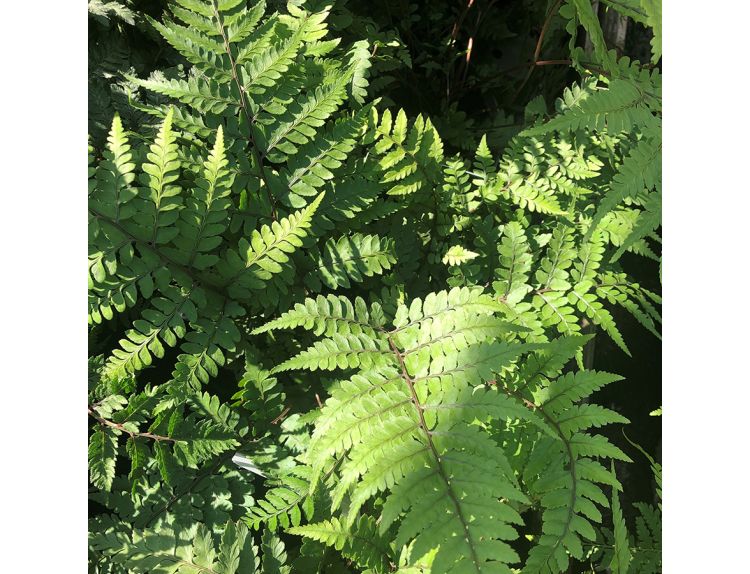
[(567, 470), (257, 260), (285, 503), (352, 258), (329, 315), (409, 157), (164, 323), (170, 552), (360, 542)]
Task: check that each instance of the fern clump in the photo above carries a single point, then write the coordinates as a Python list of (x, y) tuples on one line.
[(323, 337)]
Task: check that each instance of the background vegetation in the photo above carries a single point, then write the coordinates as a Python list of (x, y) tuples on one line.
[(262, 170)]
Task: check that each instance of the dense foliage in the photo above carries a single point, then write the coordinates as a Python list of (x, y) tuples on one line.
[(337, 328)]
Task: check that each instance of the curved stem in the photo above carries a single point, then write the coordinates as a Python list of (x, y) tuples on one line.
[(538, 47), (121, 427)]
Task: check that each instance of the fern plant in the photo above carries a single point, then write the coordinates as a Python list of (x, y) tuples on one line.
[(389, 338)]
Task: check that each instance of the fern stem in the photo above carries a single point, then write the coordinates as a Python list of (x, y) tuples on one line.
[(433, 449), (121, 427), (538, 47)]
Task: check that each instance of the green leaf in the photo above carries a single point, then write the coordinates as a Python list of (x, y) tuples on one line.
[(102, 457), (653, 19), (621, 558)]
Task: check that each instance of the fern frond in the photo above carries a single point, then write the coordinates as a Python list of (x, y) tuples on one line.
[(652, 8), (409, 156), (205, 215), (316, 162), (339, 352), (617, 290), (590, 22), (405, 423), (630, 8), (300, 123), (257, 260), (120, 291), (647, 556), (590, 255), (102, 456), (105, 11), (164, 322), (359, 64), (198, 17), (203, 95), (457, 255), (621, 555), (568, 475), (245, 22), (553, 272), (570, 388), (285, 503), (267, 66), (203, 7), (515, 263), (441, 304), (170, 551), (328, 315), (188, 121), (655, 466), (352, 258), (113, 193), (359, 542), (535, 198), (594, 310), (274, 554), (262, 65), (639, 171), (210, 429), (200, 50), (646, 224), (202, 350), (161, 196), (484, 164), (618, 108)]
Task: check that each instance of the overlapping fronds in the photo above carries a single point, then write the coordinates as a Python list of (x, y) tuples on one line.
[(409, 156), (411, 423), (567, 468), (350, 259), (383, 337), (169, 552), (359, 542)]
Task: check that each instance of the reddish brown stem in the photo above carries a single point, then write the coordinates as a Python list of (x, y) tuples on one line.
[(121, 427), (538, 47), (545, 27), (281, 417), (553, 63), (460, 21)]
